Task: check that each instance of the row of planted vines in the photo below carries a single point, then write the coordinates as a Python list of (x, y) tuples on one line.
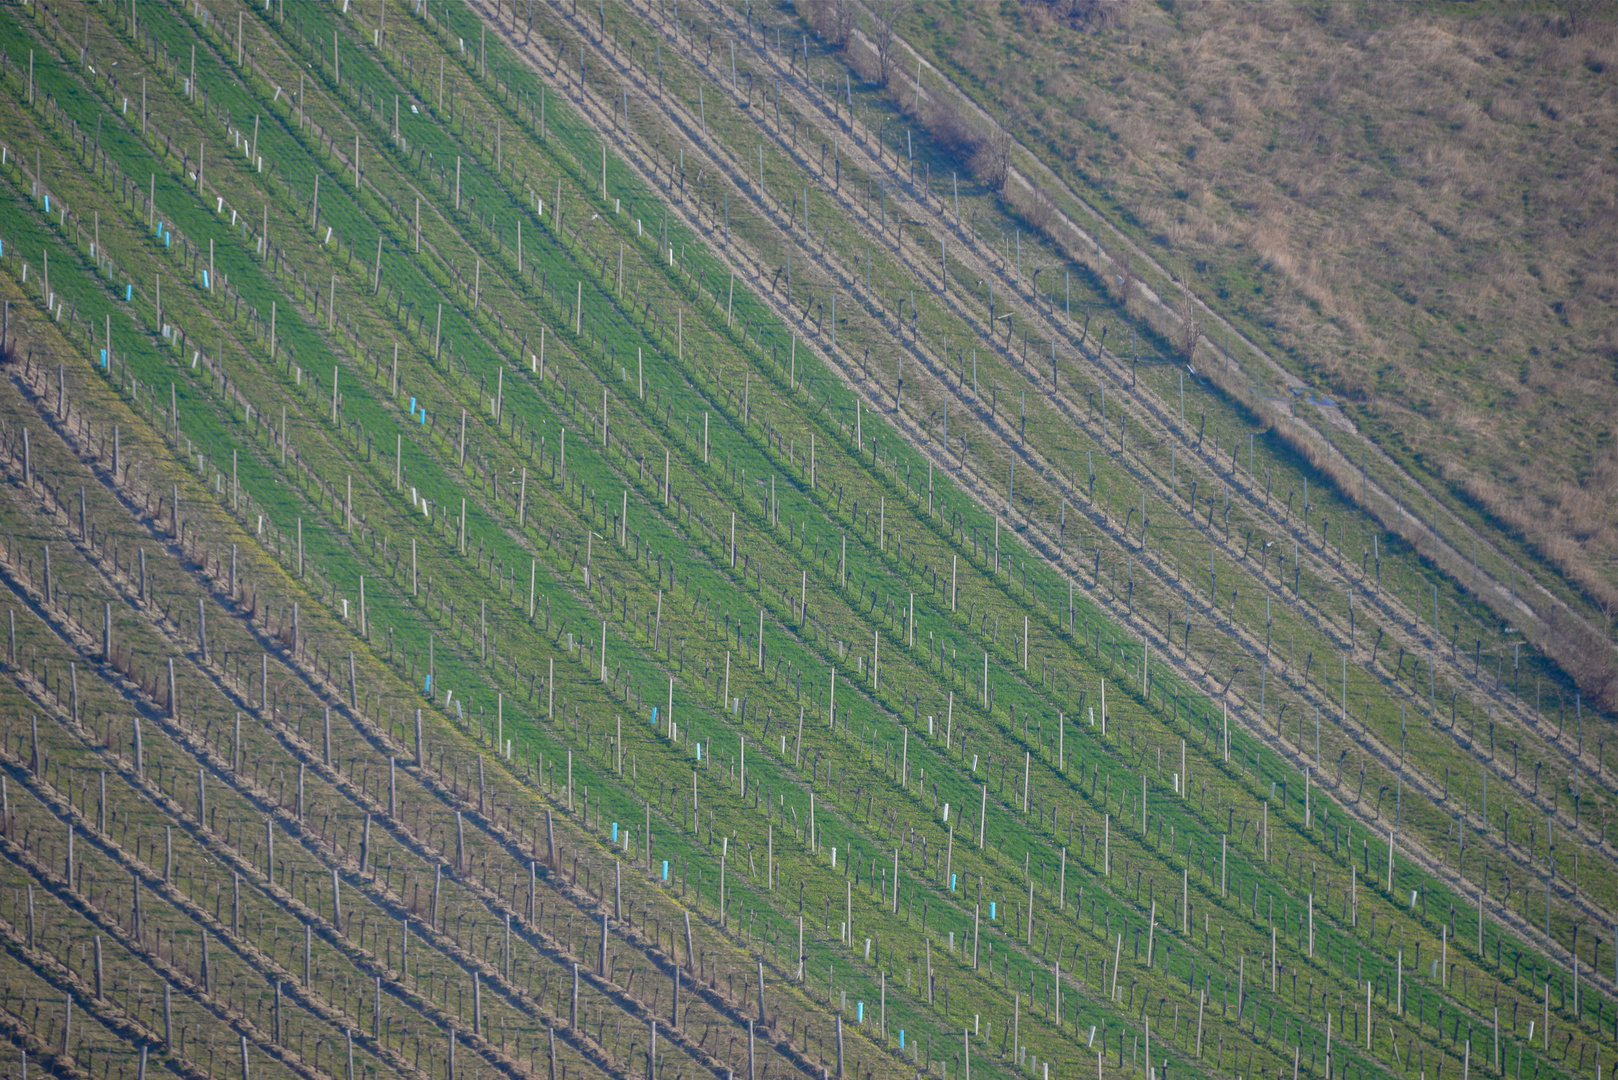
[(425, 420)]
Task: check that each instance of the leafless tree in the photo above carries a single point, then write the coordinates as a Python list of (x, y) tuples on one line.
[(991, 162), (885, 37)]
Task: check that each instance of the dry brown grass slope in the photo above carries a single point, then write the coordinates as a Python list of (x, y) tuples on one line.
[(1417, 204)]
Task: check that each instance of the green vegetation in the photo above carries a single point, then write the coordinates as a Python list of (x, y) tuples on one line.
[(747, 514)]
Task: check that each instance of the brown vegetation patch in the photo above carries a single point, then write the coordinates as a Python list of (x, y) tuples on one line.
[(1416, 205)]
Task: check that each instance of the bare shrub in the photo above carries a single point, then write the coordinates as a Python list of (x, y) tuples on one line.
[(1040, 211), (863, 63), (1040, 14), (1590, 18), (951, 128), (1095, 16), (991, 161), (833, 20), (1091, 16), (985, 147)]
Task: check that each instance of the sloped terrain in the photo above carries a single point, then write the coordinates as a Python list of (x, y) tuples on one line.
[(818, 642)]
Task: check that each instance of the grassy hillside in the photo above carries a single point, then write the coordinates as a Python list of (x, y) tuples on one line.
[(1413, 205)]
